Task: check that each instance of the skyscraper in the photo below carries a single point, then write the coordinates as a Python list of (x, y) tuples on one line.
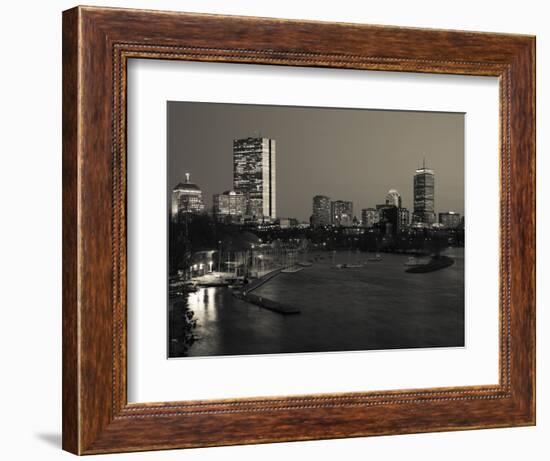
[(424, 185), (254, 175), (321, 211), (393, 198), (186, 198), (342, 213)]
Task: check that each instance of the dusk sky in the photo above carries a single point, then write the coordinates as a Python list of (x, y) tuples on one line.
[(346, 154)]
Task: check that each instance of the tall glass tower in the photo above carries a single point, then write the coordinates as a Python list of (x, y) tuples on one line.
[(254, 175), (321, 211), (424, 186)]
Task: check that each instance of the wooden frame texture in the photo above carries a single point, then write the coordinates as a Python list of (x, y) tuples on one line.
[(97, 43)]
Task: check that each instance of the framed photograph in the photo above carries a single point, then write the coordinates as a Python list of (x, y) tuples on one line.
[(282, 230)]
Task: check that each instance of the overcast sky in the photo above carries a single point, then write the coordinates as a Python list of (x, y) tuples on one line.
[(346, 154)]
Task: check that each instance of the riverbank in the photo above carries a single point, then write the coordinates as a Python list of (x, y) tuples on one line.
[(378, 306)]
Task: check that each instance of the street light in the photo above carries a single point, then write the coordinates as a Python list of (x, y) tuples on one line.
[(219, 255)]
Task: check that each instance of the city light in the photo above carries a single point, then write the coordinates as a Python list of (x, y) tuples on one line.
[(325, 249)]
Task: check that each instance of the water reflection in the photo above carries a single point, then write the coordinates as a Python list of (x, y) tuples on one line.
[(377, 306)]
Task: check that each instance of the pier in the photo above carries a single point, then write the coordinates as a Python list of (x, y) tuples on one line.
[(270, 304), (259, 282), (339, 310), (264, 302)]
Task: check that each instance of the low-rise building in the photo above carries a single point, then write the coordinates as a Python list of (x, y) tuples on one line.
[(450, 219), (369, 217), (229, 206)]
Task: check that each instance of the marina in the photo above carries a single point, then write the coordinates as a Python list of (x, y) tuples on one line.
[(376, 306)]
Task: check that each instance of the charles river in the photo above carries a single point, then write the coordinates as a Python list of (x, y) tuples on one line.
[(376, 306)]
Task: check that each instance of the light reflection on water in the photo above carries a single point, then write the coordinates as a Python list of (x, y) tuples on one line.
[(203, 304), (378, 306)]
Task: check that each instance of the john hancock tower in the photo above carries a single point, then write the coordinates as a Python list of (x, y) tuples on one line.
[(254, 175)]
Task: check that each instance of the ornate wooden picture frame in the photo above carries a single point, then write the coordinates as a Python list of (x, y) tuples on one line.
[(97, 44)]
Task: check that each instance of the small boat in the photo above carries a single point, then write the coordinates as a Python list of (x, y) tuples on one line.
[(348, 266), (375, 258), (305, 264)]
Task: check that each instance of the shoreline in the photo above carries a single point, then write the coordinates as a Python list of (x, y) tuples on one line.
[(360, 309)]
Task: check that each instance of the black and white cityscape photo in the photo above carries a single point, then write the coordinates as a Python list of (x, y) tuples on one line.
[(312, 229)]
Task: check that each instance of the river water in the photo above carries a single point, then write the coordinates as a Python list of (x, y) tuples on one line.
[(378, 306)]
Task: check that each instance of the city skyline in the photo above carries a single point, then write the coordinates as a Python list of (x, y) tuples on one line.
[(367, 192), (235, 206), (421, 214), (293, 210)]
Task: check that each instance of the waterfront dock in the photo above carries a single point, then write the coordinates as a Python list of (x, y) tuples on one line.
[(354, 308), (261, 301), (271, 305), (260, 281)]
